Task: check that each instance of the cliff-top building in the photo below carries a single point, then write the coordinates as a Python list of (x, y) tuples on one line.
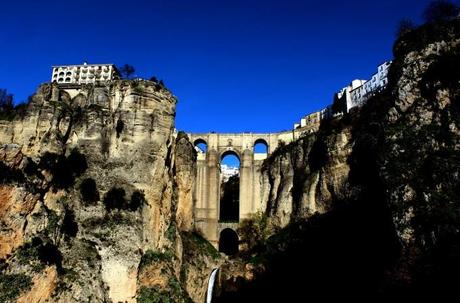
[(84, 73), (359, 91)]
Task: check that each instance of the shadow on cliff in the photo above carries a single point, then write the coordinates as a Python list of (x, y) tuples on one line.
[(343, 253)]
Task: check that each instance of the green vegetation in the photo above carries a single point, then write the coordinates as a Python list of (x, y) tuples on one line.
[(137, 200), (7, 109), (11, 286), (151, 256), (119, 128), (10, 175), (174, 294), (115, 199), (69, 226), (88, 191), (440, 10), (171, 231), (38, 253), (254, 231), (64, 169), (127, 71), (416, 40), (196, 243)]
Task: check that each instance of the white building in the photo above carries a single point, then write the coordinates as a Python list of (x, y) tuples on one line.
[(84, 73), (359, 91), (227, 172), (378, 81), (314, 118)]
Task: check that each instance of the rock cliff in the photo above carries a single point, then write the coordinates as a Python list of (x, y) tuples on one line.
[(368, 205), (96, 185)]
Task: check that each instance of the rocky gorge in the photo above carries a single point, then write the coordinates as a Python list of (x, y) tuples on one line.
[(96, 196)]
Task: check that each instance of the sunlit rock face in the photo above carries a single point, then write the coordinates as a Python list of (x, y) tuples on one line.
[(303, 177), (93, 177)]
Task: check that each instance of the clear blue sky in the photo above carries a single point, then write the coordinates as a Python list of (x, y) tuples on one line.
[(234, 65)]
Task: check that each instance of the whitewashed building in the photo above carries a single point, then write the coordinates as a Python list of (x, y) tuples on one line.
[(228, 171), (359, 91), (378, 81), (84, 73)]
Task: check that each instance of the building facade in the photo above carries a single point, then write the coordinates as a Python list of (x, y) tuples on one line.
[(84, 73), (359, 91)]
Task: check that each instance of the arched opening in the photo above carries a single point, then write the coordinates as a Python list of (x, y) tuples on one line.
[(260, 146), (228, 242), (229, 187), (200, 146)]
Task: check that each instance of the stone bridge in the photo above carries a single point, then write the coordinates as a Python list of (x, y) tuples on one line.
[(208, 185)]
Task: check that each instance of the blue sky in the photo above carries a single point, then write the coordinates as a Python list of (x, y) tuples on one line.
[(234, 65)]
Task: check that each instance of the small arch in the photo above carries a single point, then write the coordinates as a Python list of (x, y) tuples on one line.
[(67, 79), (228, 242), (260, 146), (200, 146)]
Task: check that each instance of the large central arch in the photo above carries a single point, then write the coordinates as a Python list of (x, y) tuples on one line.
[(229, 204)]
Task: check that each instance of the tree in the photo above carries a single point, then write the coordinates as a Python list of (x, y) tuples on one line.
[(115, 199), (88, 190), (441, 10), (6, 101), (127, 71), (255, 230), (405, 26)]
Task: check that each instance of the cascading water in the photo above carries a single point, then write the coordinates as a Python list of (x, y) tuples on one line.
[(211, 281)]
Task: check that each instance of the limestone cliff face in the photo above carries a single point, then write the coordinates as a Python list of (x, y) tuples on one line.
[(302, 178), (93, 181)]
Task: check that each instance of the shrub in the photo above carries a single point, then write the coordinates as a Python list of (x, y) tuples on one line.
[(119, 127), (44, 252), (10, 175), (195, 242), (88, 191), (440, 10), (77, 162), (137, 200), (12, 285), (151, 256), (115, 199), (175, 293), (255, 230), (64, 169), (69, 227), (405, 26), (171, 232)]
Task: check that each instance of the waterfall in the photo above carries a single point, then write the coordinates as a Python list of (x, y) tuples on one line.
[(211, 281)]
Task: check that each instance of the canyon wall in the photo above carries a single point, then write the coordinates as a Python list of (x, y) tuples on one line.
[(95, 187)]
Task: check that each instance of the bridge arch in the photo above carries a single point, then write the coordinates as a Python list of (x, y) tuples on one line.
[(230, 151), (260, 146), (229, 199), (201, 145), (228, 242)]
